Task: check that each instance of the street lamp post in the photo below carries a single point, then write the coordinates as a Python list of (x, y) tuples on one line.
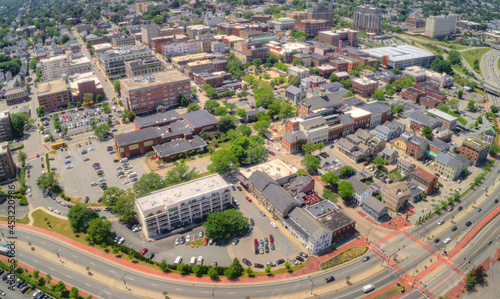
[(312, 284), (213, 293)]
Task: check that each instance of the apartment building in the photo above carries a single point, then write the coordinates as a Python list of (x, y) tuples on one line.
[(5, 127), (16, 95), (187, 47), (361, 191), (424, 179), (7, 167), (53, 94), (414, 22), (197, 30), (154, 92), (54, 67), (142, 66), (339, 37), (298, 71), (320, 12), (364, 86), (449, 121), (170, 208), (249, 50), (149, 31), (476, 150), (450, 165), (367, 19), (440, 26), (396, 196), (312, 27), (113, 61)]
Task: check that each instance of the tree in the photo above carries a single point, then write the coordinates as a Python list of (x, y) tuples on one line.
[(389, 90), (471, 105), (48, 181), (98, 98), (124, 207), (427, 132), (494, 150), (494, 109), (183, 101), (180, 173), (264, 96), (80, 217), (116, 86), (241, 113), (309, 147), (33, 63), (268, 270), (102, 130), (221, 111), (345, 189), (242, 94), (21, 157), (310, 162), (40, 111), (212, 273), (244, 130), (99, 231), (440, 65), (378, 95), (88, 97), (148, 182), (225, 124), (297, 62), (460, 94), (286, 111), (18, 122), (380, 161), (454, 57), (328, 194), (396, 71), (193, 107), (221, 226), (211, 105), (249, 271), (223, 161), (480, 119), (294, 80), (334, 78), (330, 178), (257, 62), (261, 126), (346, 171)]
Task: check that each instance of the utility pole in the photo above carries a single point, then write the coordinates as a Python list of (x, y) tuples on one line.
[(312, 284)]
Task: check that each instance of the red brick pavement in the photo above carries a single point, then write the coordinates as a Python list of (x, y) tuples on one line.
[(311, 267), (473, 232), (497, 254), (53, 280)]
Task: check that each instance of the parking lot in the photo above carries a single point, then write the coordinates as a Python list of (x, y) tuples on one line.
[(81, 174), (78, 120)]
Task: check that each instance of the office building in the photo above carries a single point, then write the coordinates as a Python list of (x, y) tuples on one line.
[(318, 12), (450, 165), (282, 24), (123, 41), (113, 61), (5, 127), (364, 86), (339, 37), (154, 92), (250, 50), (7, 167), (170, 208), (142, 66), (312, 27), (197, 30), (449, 121), (414, 22), (401, 56), (186, 47), (149, 31), (16, 95), (53, 94), (439, 27), (367, 19)]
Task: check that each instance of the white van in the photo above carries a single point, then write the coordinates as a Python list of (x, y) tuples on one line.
[(193, 260), (133, 174), (178, 260), (124, 160), (200, 260), (368, 288)]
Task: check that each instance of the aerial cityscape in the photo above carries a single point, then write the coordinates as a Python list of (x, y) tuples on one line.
[(241, 149)]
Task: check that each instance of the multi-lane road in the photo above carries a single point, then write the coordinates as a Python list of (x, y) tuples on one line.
[(491, 73)]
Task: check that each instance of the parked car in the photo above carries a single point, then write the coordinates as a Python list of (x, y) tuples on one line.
[(143, 252), (329, 279)]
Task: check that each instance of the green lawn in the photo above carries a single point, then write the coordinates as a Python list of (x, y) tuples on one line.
[(430, 47), (498, 64), (471, 55), (395, 290), (450, 45)]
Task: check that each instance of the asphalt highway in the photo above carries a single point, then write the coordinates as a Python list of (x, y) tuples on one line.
[(490, 72)]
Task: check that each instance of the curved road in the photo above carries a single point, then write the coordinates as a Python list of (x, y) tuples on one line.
[(490, 71)]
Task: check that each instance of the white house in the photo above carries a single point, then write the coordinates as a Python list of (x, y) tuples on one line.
[(361, 191)]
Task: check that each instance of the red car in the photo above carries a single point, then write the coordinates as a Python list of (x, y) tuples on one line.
[(327, 154), (206, 242), (143, 252), (271, 238), (249, 199), (365, 164), (52, 158), (37, 155), (255, 243), (272, 153)]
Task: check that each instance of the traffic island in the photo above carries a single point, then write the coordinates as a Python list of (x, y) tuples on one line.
[(344, 257)]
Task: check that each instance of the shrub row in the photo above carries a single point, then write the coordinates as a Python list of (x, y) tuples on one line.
[(343, 257)]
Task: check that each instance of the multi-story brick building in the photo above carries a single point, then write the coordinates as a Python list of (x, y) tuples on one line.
[(197, 30), (339, 65), (123, 41), (319, 12), (142, 66), (364, 86), (415, 22), (8, 169), (160, 211), (418, 120), (158, 42), (396, 196), (431, 90), (416, 147), (250, 50), (311, 27), (412, 94), (449, 121), (475, 150), (339, 37), (53, 94), (5, 127), (16, 95), (424, 179), (154, 92)]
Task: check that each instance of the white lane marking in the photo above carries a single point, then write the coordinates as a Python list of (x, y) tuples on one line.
[(92, 263), (232, 293), (154, 284), (130, 278), (107, 292), (43, 242), (111, 271), (36, 262), (75, 256), (69, 276), (205, 292), (51, 269), (178, 289), (87, 284)]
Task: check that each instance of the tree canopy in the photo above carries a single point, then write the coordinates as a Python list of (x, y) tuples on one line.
[(223, 225), (310, 162), (223, 161), (80, 217), (345, 189)]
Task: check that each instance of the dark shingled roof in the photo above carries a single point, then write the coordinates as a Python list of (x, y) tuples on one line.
[(200, 118), (279, 197), (375, 204), (178, 146), (261, 180), (137, 136), (151, 120)]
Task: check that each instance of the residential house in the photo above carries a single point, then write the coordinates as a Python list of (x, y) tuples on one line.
[(396, 196), (389, 154), (417, 147), (405, 167), (361, 191), (450, 165), (375, 208), (424, 179)]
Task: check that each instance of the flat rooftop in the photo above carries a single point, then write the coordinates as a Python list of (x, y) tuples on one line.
[(51, 87), (165, 77), (178, 193), (276, 169), (356, 112), (399, 53)]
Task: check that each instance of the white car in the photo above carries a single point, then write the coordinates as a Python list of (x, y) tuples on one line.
[(274, 225), (57, 212), (62, 203), (177, 241), (102, 179), (136, 229), (31, 195), (91, 149), (50, 209), (69, 167), (122, 239), (188, 238), (93, 184), (125, 182), (447, 241)]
